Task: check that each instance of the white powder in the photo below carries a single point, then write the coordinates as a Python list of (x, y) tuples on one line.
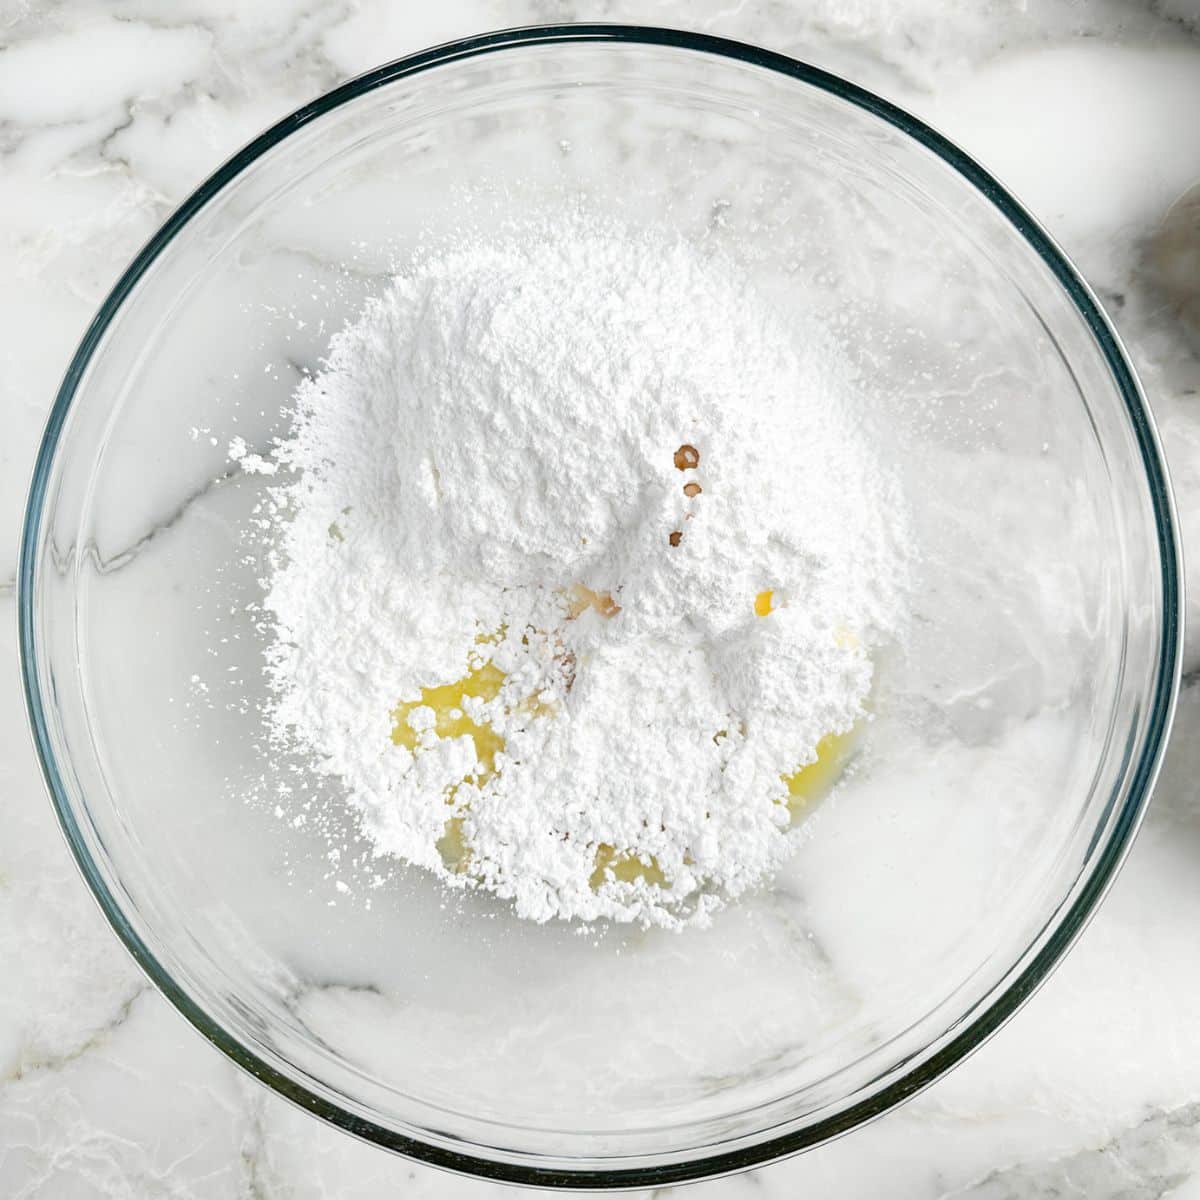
[(500, 430)]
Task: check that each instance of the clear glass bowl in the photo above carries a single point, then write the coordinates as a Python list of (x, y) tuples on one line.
[(1017, 733)]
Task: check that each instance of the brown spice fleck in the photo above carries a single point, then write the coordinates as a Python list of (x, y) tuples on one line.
[(580, 599), (675, 538), (691, 490), (567, 665), (687, 457)]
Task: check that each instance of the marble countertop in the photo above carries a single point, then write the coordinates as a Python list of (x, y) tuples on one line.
[(111, 111)]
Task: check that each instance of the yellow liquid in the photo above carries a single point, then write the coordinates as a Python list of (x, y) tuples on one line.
[(816, 779), (805, 785), (810, 783), (450, 721), (452, 846), (624, 867)]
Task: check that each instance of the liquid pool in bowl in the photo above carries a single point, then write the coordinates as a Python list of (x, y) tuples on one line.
[(1015, 738)]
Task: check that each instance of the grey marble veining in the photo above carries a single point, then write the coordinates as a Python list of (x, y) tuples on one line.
[(111, 112)]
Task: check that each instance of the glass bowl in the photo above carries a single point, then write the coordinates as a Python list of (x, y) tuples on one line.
[(1017, 729)]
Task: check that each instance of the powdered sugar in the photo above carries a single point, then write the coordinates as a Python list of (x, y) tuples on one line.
[(542, 485)]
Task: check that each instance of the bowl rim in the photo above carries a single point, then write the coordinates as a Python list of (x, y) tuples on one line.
[(1024, 977)]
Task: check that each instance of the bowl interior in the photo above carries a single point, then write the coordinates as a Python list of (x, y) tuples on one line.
[(1003, 770)]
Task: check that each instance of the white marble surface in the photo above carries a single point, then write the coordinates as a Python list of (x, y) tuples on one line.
[(111, 112)]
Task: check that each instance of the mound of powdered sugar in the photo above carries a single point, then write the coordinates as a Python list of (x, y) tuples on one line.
[(539, 494)]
